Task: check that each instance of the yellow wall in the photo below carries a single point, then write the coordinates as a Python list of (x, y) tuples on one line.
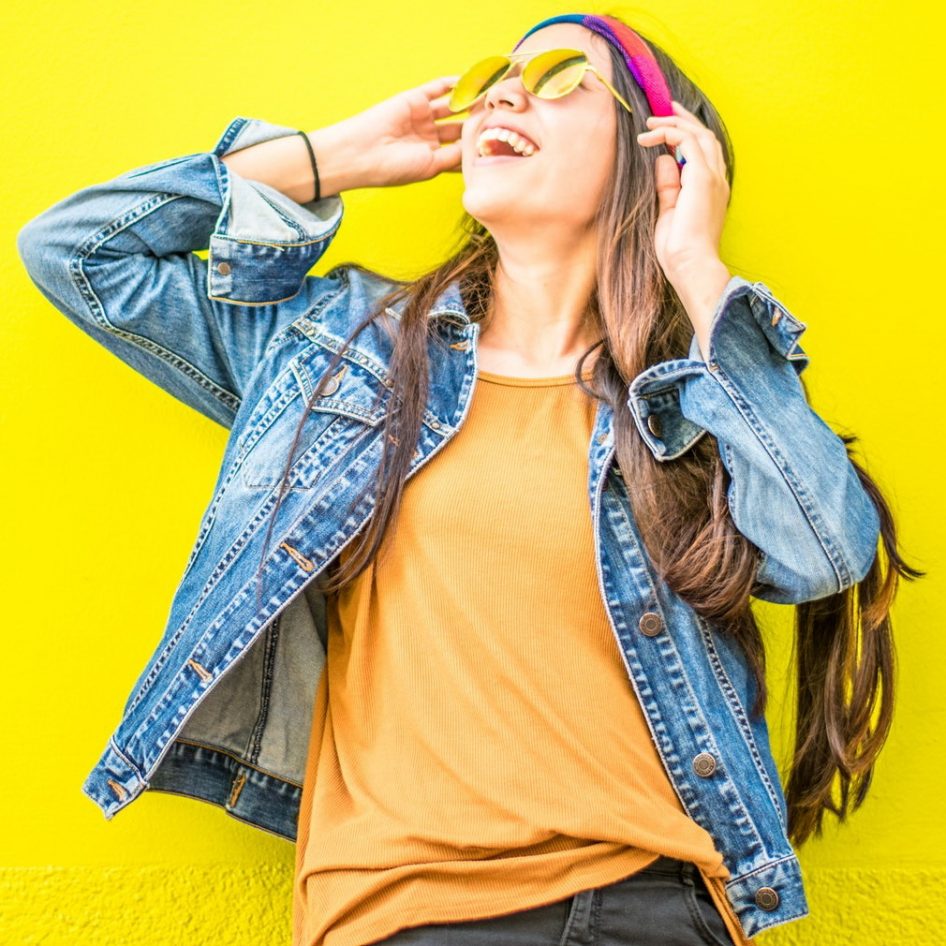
[(838, 205)]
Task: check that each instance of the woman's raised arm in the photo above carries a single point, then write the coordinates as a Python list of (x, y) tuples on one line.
[(117, 257), (793, 490), (284, 163)]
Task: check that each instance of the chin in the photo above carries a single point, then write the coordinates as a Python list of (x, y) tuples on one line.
[(492, 200)]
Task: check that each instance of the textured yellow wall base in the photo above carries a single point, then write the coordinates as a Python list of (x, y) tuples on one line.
[(224, 906), (146, 906)]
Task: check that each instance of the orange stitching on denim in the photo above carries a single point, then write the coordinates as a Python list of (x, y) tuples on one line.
[(237, 788), (117, 789), (205, 674), (298, 556)]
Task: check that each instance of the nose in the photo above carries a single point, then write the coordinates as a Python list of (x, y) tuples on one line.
[(508, 90)]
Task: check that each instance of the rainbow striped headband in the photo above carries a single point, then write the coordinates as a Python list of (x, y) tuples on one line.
[(640, 60)]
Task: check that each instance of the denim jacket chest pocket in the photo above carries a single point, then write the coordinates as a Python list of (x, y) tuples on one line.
[(337, 423)]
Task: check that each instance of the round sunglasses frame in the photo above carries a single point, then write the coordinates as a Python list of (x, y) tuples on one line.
[(462, 111)]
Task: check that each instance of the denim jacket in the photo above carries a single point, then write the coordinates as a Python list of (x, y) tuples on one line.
[(220, 710)]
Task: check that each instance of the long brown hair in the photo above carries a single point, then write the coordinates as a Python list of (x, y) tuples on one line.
[(845, 647)]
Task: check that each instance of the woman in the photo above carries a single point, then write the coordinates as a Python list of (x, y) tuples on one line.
[(530, 724)]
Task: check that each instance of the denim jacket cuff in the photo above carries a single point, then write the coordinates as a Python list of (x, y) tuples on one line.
[(263, 243), (746, 314)]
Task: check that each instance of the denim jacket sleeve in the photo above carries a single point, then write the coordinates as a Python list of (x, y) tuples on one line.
[(116, 258), (792, 491)]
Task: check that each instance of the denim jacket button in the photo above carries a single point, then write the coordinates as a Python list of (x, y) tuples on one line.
[(704, 765), (334, 384), (766, 898), (651, 623), (653, 424), (223, 268)]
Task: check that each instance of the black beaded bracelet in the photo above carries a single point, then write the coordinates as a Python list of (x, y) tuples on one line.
[(315, 168)]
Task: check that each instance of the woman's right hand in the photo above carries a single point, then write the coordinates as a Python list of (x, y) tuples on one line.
[(396, 140)]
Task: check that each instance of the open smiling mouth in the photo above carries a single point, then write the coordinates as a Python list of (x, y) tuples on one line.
[(503, 143)]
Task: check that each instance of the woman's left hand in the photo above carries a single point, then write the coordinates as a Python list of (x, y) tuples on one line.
[(692, 201)]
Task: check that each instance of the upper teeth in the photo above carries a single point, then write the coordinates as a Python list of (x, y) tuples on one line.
[(521, 145)]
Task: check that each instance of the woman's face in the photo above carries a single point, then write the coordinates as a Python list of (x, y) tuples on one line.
[(564, 180)]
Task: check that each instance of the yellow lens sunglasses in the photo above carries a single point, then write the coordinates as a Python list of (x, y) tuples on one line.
[(546, 73)]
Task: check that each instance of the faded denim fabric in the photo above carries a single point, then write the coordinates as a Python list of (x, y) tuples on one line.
[(665, 904), (244, 336)]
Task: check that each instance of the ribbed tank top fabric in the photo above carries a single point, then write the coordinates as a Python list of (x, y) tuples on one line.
[(476, 746)]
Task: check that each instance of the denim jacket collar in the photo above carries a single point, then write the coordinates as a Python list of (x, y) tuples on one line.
[(449, 304)]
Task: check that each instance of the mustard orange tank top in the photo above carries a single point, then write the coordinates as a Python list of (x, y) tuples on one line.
[(476, 746)]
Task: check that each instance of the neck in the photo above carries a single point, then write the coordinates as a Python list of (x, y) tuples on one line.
[(539, 316)]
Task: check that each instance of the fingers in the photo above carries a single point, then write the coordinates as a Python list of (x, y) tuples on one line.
[(688, 118), (439, 86), (449, 131), (672, 136), (452, 119), (666, 182), (445, 125), (442, 114), (699, 152), (449, 124), (448, 158), (699, 135)]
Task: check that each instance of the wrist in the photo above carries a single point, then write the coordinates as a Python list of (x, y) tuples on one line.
[(699, 286), (340, 161)]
